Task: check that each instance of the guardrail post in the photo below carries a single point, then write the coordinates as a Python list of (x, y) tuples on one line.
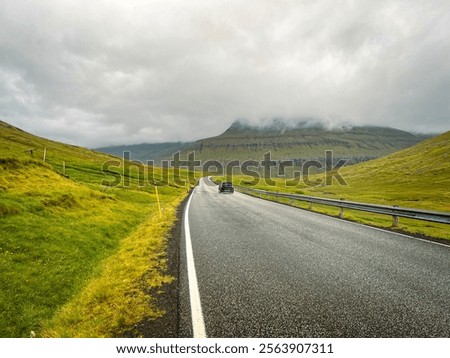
[(291, 202), (395, 218), (310, 205), (341, 210)]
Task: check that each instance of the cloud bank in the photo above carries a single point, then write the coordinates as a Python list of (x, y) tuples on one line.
[(107, 72)]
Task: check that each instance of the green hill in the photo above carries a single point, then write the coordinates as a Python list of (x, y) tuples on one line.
[(64, 233), (301, 141), (415, 177)]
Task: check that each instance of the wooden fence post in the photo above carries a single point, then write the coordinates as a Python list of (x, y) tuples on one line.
[(157, 200)]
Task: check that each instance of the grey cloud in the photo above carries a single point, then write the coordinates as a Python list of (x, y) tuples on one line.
[(112, 72)]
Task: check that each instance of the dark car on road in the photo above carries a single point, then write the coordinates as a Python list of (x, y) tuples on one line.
[(226, 187)]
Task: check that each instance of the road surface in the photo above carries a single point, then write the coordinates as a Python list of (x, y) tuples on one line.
[(268, 270)]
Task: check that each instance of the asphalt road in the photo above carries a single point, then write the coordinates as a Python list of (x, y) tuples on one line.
[(269, 270)]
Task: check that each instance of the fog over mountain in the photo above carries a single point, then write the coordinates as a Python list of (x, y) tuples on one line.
[(285, 140), (109, 72)]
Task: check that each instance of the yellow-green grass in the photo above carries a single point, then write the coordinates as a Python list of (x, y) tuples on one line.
[(417, 177), (58, 232), (120, 296)]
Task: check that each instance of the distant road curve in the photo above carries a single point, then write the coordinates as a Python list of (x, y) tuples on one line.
[(268, 270)]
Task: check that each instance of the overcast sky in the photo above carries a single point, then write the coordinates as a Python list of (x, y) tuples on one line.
[(104, 72)]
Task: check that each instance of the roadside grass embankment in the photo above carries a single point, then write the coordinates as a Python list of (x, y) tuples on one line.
[(77, 258), (125, 291)]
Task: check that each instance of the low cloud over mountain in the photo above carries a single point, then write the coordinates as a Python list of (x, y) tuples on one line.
[(125, 72)]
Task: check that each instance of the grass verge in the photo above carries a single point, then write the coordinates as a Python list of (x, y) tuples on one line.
[(124, 292)]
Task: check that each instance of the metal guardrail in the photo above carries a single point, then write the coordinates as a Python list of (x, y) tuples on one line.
[(394, 211)]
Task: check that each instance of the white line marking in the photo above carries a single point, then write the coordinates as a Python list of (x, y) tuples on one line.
[(354, 223), (401, 234), (198, 325)]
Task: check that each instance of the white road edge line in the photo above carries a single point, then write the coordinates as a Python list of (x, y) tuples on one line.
[(198, 324), (355, 223)]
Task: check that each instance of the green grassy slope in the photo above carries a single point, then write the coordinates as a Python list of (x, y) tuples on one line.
[(58, 230), (414, 177)]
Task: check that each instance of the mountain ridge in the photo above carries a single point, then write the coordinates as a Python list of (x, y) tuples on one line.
[(302, 140), (286, 140)]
